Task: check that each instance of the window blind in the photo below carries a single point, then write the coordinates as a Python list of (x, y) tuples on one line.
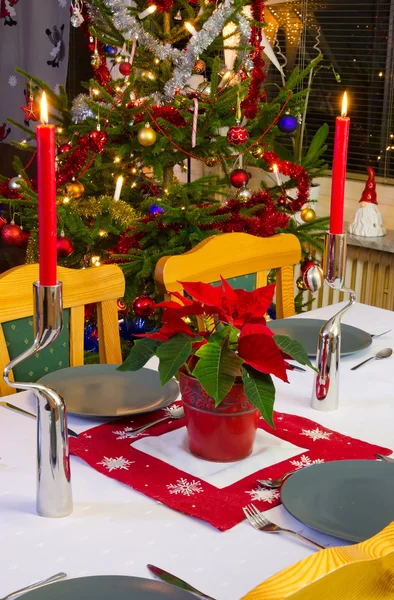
[(356, 38)]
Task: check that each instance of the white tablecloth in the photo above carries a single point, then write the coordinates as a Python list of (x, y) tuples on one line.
[(115, 530)]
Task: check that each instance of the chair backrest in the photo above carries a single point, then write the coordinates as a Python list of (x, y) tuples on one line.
[(104, 285), (236, 256)]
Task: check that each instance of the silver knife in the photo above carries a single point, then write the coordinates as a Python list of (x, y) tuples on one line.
[(29, 414), (174, 580)]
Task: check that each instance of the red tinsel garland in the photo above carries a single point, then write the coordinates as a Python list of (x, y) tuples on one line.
[(168, 113), (294, 171), (249, 105), (263, 223), (162, 5), (73, 163)]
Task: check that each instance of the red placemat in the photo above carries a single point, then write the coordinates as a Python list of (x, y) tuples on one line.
[(109, 449)]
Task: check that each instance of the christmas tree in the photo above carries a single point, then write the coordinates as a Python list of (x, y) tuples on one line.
[(155, 156)]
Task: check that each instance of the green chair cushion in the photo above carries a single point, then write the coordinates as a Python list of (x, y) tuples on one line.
[(19, 335)]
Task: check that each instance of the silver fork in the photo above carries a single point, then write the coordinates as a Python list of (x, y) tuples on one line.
[(35, 586), (173, 412), (260, 522)]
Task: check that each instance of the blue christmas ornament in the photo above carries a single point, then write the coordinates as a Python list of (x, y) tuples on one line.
[(91, 338), (287, 123), (155, 209), (110, 50), (271, 312), (129, 328)]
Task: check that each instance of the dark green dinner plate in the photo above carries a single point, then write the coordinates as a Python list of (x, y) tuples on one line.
[(350, 499), (108, 587), (306, 331), (102, 391)]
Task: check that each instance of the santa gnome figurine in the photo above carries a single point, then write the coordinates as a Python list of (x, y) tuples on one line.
[(368, 221)]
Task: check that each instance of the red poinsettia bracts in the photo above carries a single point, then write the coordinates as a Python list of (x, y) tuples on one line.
[(237, 345)]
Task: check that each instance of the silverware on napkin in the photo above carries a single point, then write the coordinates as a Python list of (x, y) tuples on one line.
[(261, 523), (385, 353), (29, 414), (374, 335), (35, 586), (173, 412), (174, 580)]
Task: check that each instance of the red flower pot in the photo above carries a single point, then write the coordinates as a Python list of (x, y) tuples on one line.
[(221, 433)]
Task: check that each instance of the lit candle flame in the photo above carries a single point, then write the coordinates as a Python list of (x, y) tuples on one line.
[(190, 28), (275, 168), (344, 105), (44, 109), (277, 176)]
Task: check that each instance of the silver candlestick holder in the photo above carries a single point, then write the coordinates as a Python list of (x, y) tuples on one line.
[(326, 385), (54, 497)]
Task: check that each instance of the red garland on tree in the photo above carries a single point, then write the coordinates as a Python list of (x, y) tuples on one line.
[(7, 193), (162, 5), (249, 105), (294, 171), (74, 161), (168, 113)]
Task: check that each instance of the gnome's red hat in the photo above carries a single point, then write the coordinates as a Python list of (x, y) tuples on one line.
[(369, 193)]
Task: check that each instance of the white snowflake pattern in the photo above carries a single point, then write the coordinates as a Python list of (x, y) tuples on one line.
[(265, 495), (12, 80), (112, 464), (128, 434), (185, 487), (316, 434), (305, 461)]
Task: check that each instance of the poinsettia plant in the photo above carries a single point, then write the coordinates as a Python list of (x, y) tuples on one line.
[(236, 345)]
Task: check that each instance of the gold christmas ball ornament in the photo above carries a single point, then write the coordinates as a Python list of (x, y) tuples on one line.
[(244, 194), (308, 214), (199, 66), (300, 284), (257, 151), (75, 189), (210, 161), (147, 136), (95, 60)]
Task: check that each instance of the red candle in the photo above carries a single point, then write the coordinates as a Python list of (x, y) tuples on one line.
[(46, 156), (341, 142)]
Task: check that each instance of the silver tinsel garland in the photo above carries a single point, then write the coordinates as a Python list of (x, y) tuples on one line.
[(183, 60)]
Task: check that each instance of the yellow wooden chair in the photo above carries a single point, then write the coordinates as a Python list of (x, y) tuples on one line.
[(104, 285), (243, 259)]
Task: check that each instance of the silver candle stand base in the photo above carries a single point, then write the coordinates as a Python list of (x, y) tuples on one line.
[(326, 385), (54, 497)]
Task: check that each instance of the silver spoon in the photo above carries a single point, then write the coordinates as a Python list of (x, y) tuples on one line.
[(275, 484), (385, 353), (385, 458)]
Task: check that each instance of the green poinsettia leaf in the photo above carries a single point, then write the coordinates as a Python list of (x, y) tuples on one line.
[(293, 349), (217, 368), (172, 355), (260, 391), (140, 353)]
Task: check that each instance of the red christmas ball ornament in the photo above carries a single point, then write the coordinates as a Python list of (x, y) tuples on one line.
[(64, 148), (12, 235), (238, 178), (237, 135), (24, 238), (144, 306), (125, 68), (64, 246), (3, 222)]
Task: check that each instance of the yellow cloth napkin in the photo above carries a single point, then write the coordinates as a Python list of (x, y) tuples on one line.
[(360, 572)]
